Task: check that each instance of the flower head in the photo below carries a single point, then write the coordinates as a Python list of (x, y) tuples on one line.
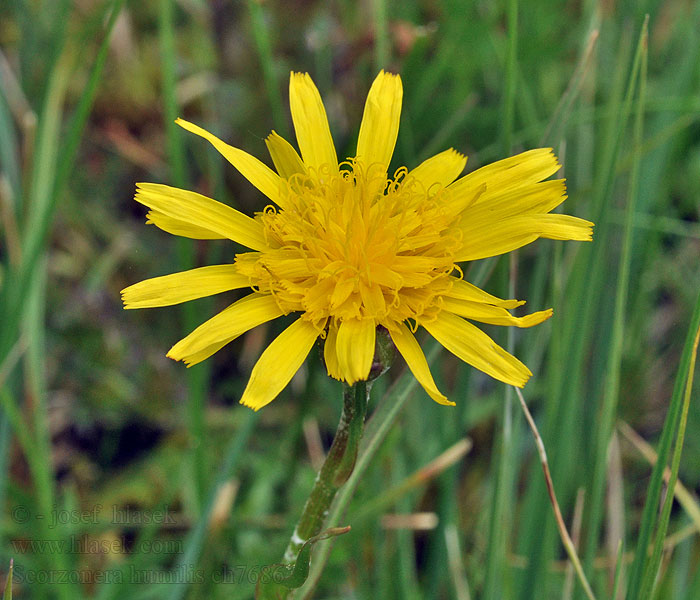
[(349, 247)]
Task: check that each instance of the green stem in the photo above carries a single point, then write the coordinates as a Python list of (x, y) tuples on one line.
[(336, 469)]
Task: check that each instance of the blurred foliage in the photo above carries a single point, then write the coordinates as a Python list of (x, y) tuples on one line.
[(118, 416)]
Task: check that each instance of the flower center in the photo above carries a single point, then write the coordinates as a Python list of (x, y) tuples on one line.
[(355, 244)]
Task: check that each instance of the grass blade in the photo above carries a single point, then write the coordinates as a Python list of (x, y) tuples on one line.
[(197, 536), (606, 421), (674, 425), (652, 569), (196, 377), (7, 593), (263, 42), (563, 532), (501, 517), (382, 46)]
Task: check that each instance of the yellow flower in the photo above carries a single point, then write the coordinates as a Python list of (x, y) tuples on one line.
[(348, 247)]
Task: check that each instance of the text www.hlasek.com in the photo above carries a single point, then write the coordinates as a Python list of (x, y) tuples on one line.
[(90, 545)]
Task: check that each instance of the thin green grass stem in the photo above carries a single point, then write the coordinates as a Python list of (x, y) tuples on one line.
[(417, 479), (20, 427), (9, 144), (263, 42), (501, 514), (52, 165), (196, 377), (22, 297), (651, 572), (619, 570), (382, 44), (76, 128), (176, 150), (565, 400), (606, 421), (558, 120), (563, 532), (405, 555), (196, 539), (500, 521), (36, 387), (511, 73), (47, 185), (40, 448), (671, 427)]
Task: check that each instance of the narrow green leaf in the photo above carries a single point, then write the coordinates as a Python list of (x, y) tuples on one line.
[(651, 572), (47, 184), (501, 514), (382, 45), (196, 377), (7, 594), (197, 536), (263, 42), (674, 425), (606, 422)]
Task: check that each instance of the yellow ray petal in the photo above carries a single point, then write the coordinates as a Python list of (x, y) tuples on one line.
[(464, 290), (181, 228), (409, 348), (564, 227), (355, 348), (197, 357), (514, 172), (181, 287), (494, 315), (255, 171), (380, 121), (473, 346), (287, 161), (311, 123), (278, 364), (510, 238), (203, 213), (509, 234), (534, 199), (330, 355), (246, 313), (439, 170)]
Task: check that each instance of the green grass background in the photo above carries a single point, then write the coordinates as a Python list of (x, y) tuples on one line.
[(95, 419)]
